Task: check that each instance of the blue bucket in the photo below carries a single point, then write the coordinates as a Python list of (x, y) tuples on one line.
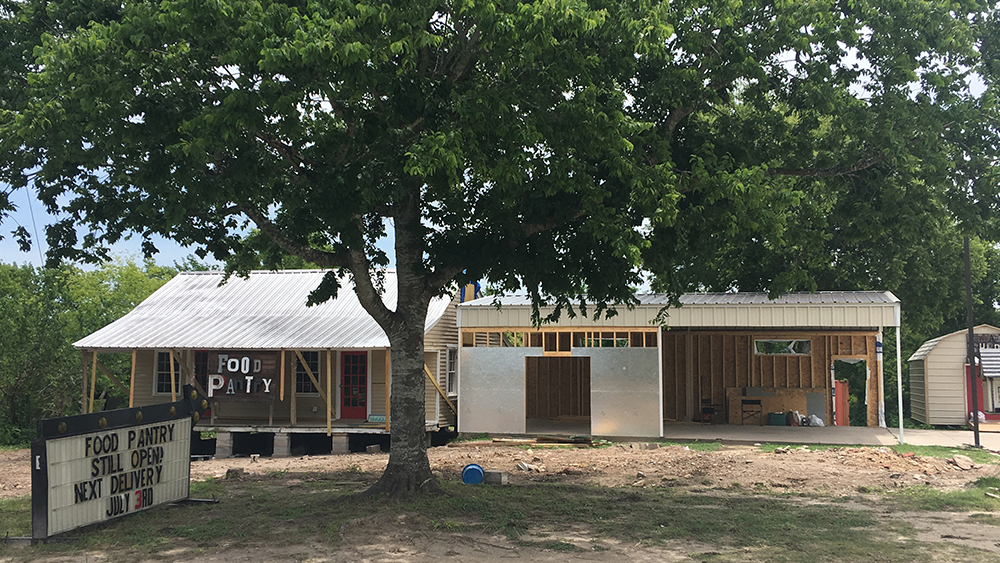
[(472, 474)]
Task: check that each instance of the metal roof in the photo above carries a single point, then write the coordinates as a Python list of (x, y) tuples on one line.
[(748, 298), (824, 310), (267, 310), (929, 345)]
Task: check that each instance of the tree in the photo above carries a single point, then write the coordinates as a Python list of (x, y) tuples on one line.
[(42, 312), (540, 144)]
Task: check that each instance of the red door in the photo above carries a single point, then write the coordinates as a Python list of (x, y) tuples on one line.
[(354, 385)]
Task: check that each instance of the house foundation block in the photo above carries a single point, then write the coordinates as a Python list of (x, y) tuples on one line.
[(341, 444), (282, 445), (223, 444)]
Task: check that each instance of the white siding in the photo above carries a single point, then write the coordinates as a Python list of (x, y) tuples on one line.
[(918, 392)]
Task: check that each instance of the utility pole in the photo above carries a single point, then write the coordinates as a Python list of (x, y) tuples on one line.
[(970, 345)]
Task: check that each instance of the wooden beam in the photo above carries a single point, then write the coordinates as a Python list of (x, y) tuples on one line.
[(329, 392), (281, 376), (131, 385), (189, 375), (83, 392), (173, 379), (441, 392), (114, 379), (312, 377), (93, 380), (293, 412)]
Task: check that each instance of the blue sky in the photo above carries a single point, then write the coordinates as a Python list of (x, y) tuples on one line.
[(32, 216)]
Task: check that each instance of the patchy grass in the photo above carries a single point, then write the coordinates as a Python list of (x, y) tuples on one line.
[(973, 498), (323, 509), (975, 454), (15, 516)]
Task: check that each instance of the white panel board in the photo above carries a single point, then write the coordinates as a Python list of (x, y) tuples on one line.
[(624, 391), (491, 387)]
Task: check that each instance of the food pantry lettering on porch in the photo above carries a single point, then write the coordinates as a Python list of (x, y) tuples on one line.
[(242, 376)]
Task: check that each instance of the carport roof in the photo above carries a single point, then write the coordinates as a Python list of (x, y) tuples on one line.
[(827, 309)]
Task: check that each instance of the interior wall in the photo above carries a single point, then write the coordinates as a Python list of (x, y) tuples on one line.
[(701, 365), (557, 386)]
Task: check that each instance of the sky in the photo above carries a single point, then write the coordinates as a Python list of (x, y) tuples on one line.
[(32, 216)]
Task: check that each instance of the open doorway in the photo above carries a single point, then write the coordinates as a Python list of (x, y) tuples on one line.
[(855, 372), (557, 394)]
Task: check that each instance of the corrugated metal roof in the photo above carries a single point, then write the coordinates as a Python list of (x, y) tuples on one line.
[(267, 310), (929, 345), (708, 299)]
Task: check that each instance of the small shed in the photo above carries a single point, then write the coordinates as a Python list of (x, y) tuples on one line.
[(721, 357), (939, 380), (271, 366)]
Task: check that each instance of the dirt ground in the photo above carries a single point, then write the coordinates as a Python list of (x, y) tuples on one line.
[(830, 472)]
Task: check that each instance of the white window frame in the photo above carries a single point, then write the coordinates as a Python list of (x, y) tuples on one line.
[(318, 372), (166, 374), (451, 371)]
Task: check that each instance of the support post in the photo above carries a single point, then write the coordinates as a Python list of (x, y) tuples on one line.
[(329, 392), (83, 392), (292, 407), (131, 382), (173, 379), (970, 342), (93, 380), (388, 385), (281, 376), (899, 378)]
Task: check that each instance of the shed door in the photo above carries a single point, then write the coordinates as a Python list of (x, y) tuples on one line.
[(354, 385)]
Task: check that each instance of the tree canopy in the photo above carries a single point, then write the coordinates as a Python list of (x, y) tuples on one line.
[(557, 145)]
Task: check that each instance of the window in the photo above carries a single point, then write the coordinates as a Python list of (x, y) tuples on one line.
[(163, 373), (302, 382), (782, 347), (451, 371)]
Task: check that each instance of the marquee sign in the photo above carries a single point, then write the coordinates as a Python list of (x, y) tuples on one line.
[(94, 467)]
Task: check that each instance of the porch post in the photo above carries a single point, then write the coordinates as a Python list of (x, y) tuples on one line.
[(93, 380), (329, 402), (131, 382)]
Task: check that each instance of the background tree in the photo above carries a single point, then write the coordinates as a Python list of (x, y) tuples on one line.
[(557, 145), (42, 312)]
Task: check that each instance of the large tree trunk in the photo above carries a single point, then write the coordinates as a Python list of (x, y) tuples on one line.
[(408, 470)]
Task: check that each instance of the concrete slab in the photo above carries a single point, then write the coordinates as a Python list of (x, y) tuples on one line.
[(948, 438), (739, 434)]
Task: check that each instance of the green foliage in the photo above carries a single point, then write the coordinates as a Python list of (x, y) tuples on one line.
[(559, 146), (42, 312)]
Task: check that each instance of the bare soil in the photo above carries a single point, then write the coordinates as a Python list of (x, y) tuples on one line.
[(830, 472), (833, 471)]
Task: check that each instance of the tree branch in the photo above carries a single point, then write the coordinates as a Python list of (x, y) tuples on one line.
[(368, 296), (273, 232)]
